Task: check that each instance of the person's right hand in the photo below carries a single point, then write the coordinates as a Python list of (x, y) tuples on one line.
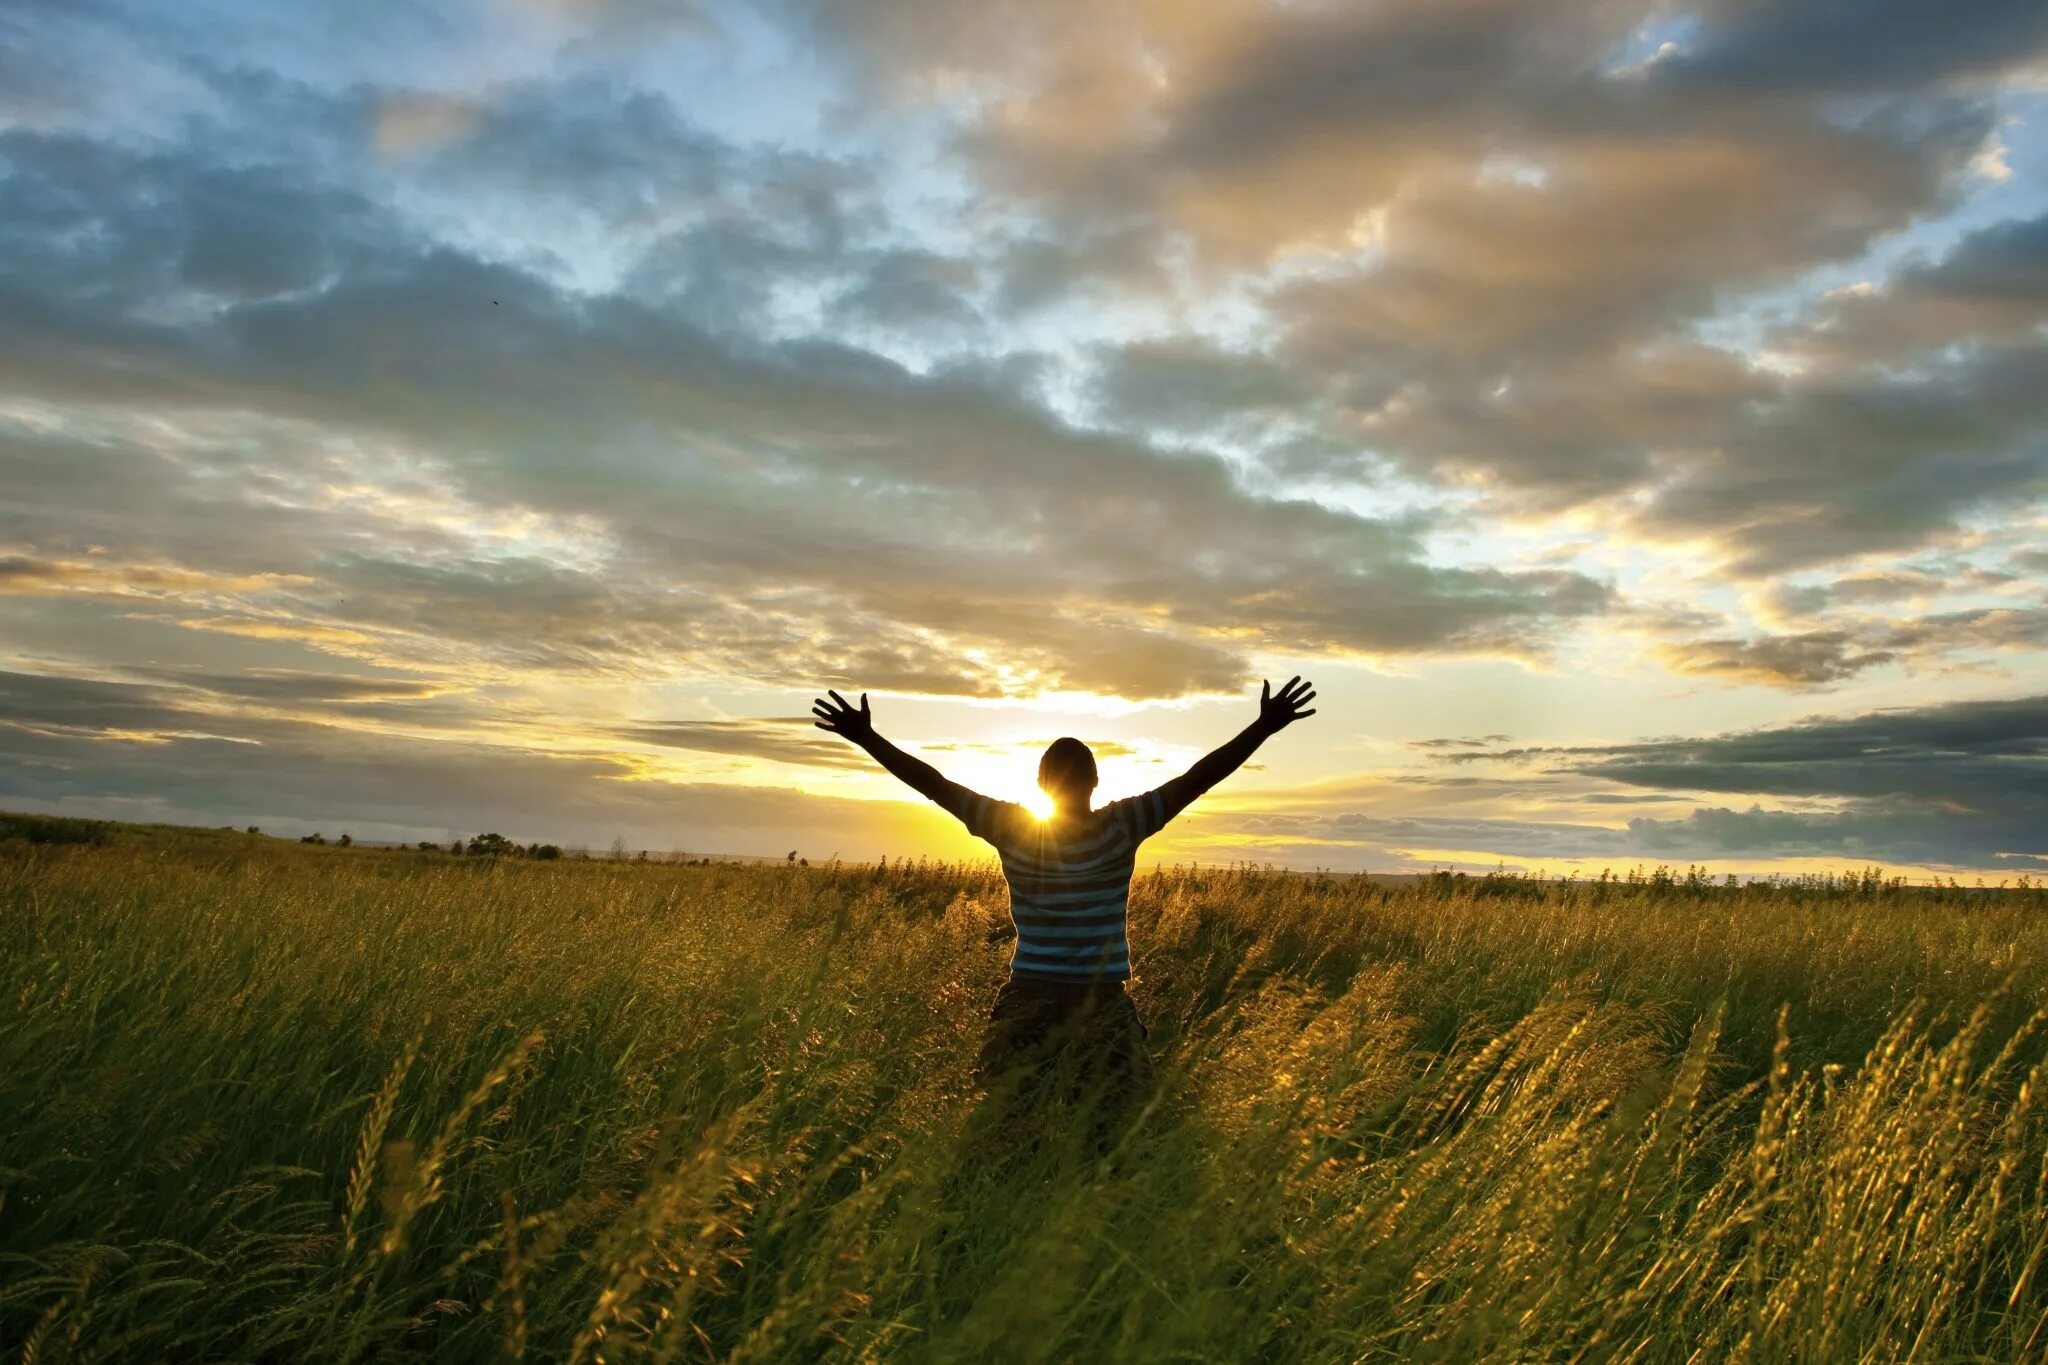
[(1278, 711), (840, 718)]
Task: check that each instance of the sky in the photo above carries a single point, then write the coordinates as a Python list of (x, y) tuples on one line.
[(426, 418)]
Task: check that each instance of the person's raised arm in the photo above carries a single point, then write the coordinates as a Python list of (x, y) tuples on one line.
[(1277, 711), (840, 718)]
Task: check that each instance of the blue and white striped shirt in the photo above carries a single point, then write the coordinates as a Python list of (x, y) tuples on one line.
[(1070, 881)]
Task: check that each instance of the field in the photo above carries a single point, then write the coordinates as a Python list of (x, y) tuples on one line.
[(272, 1102)]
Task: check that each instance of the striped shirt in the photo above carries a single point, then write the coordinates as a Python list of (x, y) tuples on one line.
[(1070, 881)]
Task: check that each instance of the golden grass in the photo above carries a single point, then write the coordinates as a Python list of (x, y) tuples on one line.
[(265, 1102)]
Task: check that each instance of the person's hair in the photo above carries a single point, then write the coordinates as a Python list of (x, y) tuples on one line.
[(1067, 766)]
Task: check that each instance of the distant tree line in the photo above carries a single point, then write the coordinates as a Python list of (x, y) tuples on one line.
[(498, 846), (491, 845)]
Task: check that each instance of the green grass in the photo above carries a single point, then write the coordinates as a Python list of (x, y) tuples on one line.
[(260, 1101)]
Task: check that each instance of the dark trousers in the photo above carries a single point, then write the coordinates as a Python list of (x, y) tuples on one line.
[(1088, 1038)]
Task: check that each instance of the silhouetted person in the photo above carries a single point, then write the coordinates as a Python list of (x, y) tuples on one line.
[(1070, 882)]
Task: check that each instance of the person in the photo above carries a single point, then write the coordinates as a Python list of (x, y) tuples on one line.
[(1069, 875)]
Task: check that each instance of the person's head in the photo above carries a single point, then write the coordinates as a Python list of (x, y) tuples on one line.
[(1066, 773)]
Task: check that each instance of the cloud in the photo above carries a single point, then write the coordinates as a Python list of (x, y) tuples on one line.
[(766, 737), (1481, 742), (1962, 785), (1871, 834), (913, 291), (1805, 45), (23, 575), (1992, 286), (1816, 657), (1878, 587), (2030, 561), (777, 488), (1802, 660), (1180, 385)]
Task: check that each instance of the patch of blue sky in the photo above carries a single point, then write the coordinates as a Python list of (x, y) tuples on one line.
[(1652, 39), (738, 76), (1389, 496)]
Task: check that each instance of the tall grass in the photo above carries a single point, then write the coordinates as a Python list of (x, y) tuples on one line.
[(273, 1103)]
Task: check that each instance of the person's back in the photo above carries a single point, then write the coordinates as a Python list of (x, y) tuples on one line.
[(1069, 875)]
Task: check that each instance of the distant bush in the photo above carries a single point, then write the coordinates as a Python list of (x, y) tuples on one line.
[(55, 829)]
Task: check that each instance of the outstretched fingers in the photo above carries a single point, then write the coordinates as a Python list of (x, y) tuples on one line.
[(1292, 702), (841, 716)]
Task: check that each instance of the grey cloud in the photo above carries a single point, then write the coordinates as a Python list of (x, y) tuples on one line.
[(1991, 286), (1180, 385), (87, 703), (288, 686), (1961, 785), (1911, 835), (913, 290), (767, 737), (1880, 586), (1986, 757), (1481, 742), (1798, 660), (1399, 843), (1856, 45), (2006, 260), (1036, 272), (1815, 657), (1979, 627), (1846, 467), (623, 155)]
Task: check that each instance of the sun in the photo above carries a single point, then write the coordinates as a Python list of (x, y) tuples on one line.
[(1039, 804)]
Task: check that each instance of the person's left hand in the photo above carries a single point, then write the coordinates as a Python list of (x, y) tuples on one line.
[(839, 716)]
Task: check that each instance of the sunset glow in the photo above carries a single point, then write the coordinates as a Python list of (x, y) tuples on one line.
[(422, 420)]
